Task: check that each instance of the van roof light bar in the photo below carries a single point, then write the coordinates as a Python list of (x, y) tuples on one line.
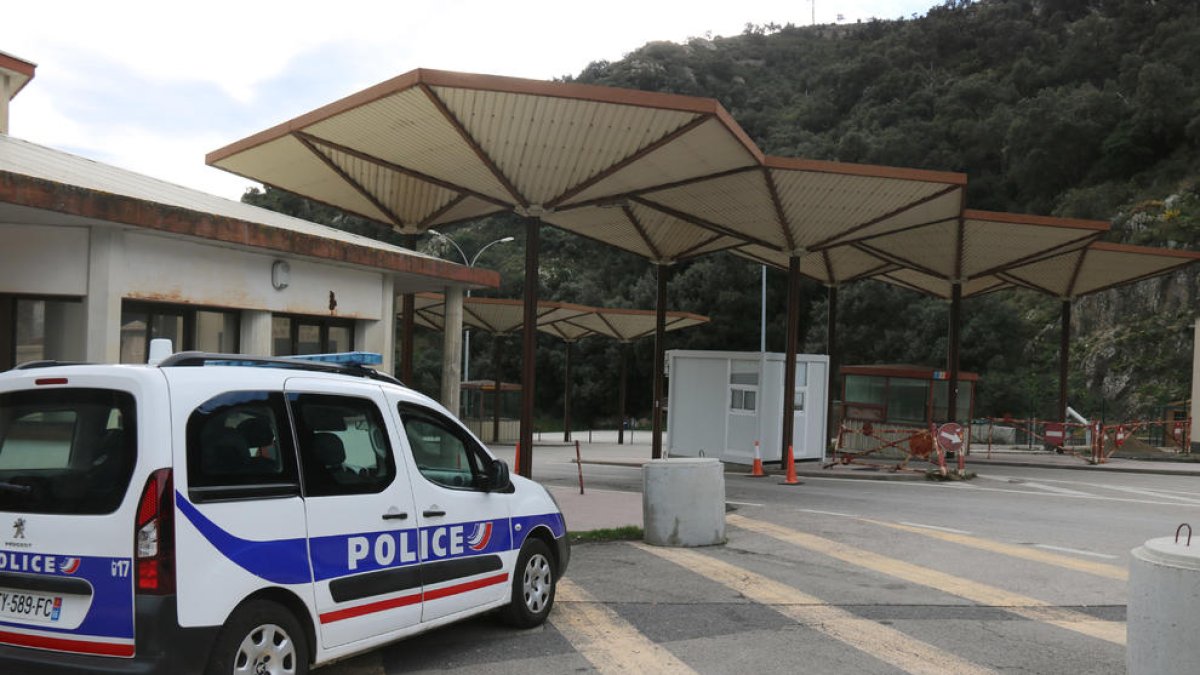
[(346, 366)]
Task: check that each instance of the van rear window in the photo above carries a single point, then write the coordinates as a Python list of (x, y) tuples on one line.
[(67, 451)]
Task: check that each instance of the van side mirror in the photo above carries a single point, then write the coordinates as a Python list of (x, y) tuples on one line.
[(497, 475)]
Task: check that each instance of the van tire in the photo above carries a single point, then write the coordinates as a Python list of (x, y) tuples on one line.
[(535, 581), (260, 629)]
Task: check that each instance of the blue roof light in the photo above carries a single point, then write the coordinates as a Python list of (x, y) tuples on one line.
[(344, 358)]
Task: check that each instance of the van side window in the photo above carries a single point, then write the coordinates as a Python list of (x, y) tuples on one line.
[(442, 451), (344, 446), (239, 446)]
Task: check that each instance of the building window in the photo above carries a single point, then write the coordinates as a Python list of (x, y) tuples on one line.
[(188, 328), (293, 335), (743, 386), (37, 329)]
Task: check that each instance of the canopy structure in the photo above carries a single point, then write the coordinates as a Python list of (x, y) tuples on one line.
[(1098, 267), (430, 148), (804, 216), (981, 244), (568, 322)]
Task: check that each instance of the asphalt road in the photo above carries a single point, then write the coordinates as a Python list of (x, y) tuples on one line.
[(1018, 571)]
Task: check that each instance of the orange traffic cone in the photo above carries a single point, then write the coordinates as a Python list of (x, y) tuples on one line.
[(757, 470), (791, 479), (517, 460)]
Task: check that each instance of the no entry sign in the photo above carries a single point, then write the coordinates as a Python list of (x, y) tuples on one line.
[(950, 436)]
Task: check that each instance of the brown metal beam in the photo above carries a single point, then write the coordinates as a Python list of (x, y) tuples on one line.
[(660, 336), (840, 238), (1064, 359), (641, 230), (614, 168), (475, 147), (780, 216), (400, 169), (567, 394), (529, 344), (789, 360), (361, 189)]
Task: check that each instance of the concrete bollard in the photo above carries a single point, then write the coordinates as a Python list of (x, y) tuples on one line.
[(683, 502), (1164, 608)]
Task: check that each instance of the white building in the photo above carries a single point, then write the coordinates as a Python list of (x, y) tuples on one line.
[(95, 261)]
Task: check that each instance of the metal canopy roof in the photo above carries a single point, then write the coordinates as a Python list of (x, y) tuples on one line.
[(40, 185), (981, 244), (432, 147), (626, 325), (831, 266), (499, 316), (1099, 267), (566, 321)]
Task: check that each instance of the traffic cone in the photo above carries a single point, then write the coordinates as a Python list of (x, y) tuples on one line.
[(517, 460), (757, 470), (791, 479)]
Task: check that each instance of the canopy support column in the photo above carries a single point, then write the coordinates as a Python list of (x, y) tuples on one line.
[(452, 350), (529, 344), (624, 347), (567, 395), (831, 350), (496, 392), (952, 356), (1064, 359), (408, 323), (660, 347), (789, 359)]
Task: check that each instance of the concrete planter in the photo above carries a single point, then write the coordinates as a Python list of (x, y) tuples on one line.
[(683, 502)]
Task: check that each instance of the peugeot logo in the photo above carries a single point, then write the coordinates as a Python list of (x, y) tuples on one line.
[(19, 528)]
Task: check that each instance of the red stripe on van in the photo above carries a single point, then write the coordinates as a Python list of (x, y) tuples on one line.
[(63, 645), (384, 605), (371, 608), (468, 586)]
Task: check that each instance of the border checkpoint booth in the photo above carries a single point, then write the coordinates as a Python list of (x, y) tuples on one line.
[(720, 402), (896, 401)]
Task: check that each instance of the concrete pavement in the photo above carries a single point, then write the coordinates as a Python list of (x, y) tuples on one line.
[(599, 508)]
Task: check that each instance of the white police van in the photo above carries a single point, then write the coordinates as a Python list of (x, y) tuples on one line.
[(219, 513)]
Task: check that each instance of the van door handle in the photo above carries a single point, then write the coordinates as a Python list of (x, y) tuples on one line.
[(395, 516), (433, 514)]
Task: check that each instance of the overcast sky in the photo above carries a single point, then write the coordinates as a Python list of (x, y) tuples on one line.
[(153, 86)]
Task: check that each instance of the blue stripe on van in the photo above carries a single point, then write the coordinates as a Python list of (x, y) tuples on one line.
[(282, 561)]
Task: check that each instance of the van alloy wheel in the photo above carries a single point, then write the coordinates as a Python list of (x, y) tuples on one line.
[(266, 650), (538, 582)]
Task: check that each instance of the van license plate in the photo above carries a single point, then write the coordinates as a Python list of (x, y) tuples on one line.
[(30, 606)]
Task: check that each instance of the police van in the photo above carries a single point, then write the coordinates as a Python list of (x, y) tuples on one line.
[(221, 513)]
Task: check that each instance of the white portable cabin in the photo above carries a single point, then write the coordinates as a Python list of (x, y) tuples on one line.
[(719, 403)]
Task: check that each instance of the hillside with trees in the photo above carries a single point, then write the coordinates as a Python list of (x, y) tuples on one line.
[(1079, 108)]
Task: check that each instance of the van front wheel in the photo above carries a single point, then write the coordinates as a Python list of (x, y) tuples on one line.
[(260, 638), (534, 583)]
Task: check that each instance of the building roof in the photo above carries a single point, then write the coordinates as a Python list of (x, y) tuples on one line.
[(35, 179), (19, 69)]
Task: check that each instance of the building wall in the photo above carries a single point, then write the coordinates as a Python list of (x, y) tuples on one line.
[(162, 269), (102, 266), (40, 260)]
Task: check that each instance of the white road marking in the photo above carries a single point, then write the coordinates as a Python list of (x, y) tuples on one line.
[(829, 513), (935, 527), (1076, 551), (743, 503)]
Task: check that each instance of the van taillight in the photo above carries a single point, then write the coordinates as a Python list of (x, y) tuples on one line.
[(154, 535)]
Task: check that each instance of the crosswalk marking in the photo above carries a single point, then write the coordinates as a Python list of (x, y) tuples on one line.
[(1096, 568), (611, 644), (980, 593), (882, 642)]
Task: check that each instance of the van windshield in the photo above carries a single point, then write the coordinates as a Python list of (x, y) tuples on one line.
[(66, 450)]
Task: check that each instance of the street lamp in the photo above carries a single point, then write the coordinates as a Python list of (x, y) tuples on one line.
[(469, 263)]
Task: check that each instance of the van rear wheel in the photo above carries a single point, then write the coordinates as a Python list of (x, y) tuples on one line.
[(534, 583), (260, 638)]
